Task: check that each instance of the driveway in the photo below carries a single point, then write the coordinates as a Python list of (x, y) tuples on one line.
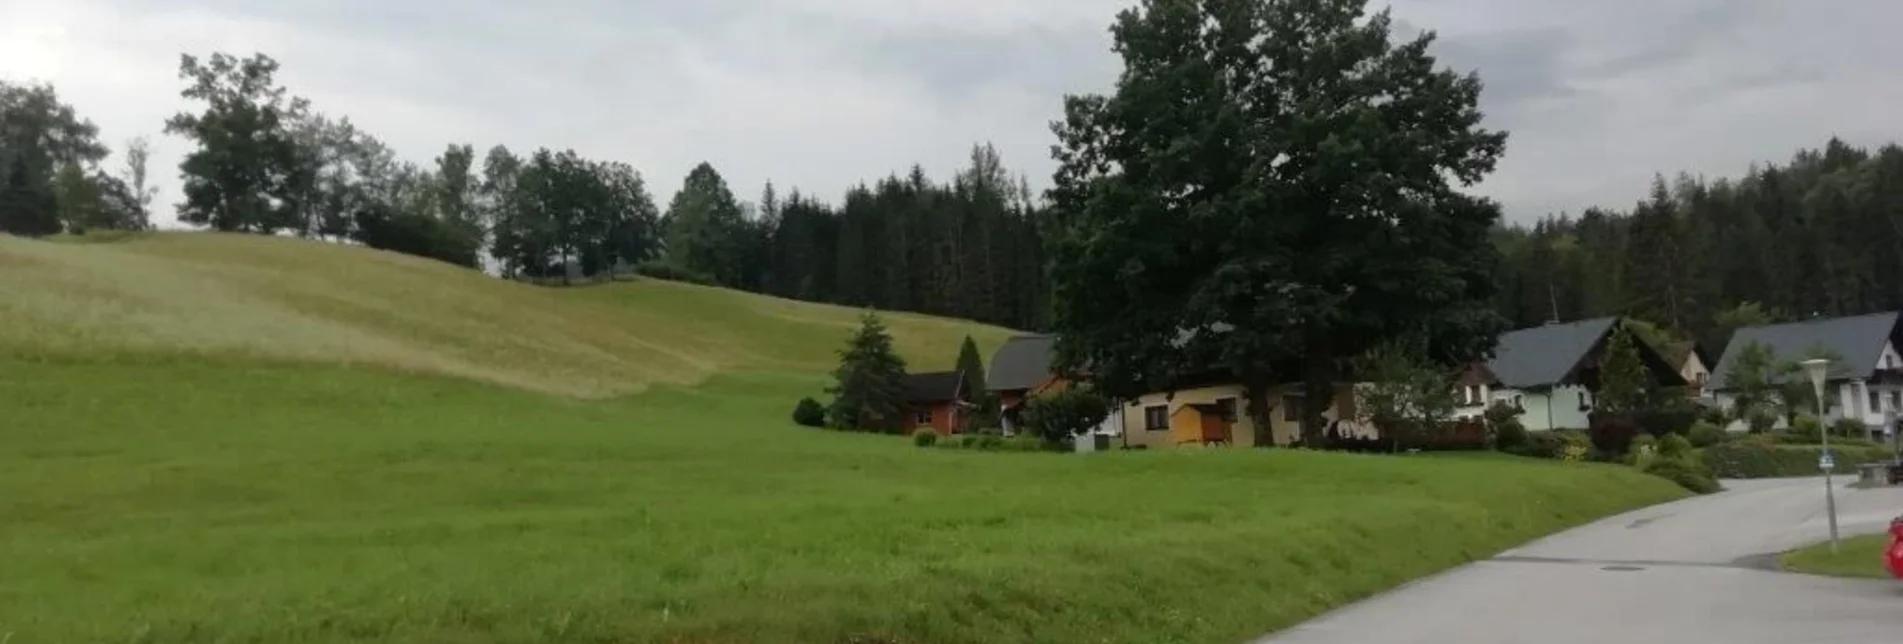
[(1680, 573)]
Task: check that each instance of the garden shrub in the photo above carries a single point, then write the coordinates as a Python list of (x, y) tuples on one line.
[(1849, 428), (1715, 416), (1751, 459), (1675, 446), (809, 413), (1706, 434), (925, 438), (1027, 443), (1509, 435), (1666, 422), (1613, 433), (1807, 431), (1643, 444), (989, 442), (1689, 474)]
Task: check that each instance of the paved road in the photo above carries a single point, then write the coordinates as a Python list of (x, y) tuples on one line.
[(1699, 578)]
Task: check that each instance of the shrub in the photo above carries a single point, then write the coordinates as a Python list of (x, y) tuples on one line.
[(809, 413), (1807, 431), (1849, 427), (1665, 422), (1760, 458), (1613, 433), (989, 442), (1675, 446), (1509, 435), (1706, 434), (1027, 443), (925, 438), (1575, 454), (1715, 416), (1644, 444), (1761, 420), (1687, 473)]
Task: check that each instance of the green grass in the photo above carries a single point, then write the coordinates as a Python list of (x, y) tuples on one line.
[(1858, 557), (188, 464)]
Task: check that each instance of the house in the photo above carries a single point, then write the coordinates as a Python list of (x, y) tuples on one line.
[(935, 400), (1551, 373), (1211, 409), (1021, 370), (1694, 365), (1865, 381)]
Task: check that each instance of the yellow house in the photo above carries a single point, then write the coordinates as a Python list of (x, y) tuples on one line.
[(1217, 414)]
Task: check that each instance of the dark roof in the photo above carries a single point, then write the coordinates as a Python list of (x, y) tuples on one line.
[(1858, 341), (933, 387), (1022, 363), (1545, 355)]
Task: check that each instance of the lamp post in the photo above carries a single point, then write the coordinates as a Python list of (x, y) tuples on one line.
[(1818, 369)]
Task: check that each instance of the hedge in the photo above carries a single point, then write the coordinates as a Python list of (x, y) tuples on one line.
[(1752, 459)]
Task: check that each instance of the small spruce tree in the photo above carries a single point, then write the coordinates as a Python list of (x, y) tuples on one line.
[(870, 392), (1622, 377)]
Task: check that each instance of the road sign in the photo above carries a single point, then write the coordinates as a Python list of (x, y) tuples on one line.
[(1825, 461)]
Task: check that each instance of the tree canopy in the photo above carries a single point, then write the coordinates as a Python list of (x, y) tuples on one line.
[(1272, 184)]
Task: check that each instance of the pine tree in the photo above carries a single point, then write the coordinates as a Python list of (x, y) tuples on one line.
[(973, 366), (1621, 375), (869, 394)]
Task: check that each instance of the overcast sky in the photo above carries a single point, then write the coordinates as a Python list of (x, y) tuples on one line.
[(821, 94)]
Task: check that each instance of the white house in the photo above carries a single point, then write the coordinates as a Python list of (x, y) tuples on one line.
[(1550, 373), (1865, 380)]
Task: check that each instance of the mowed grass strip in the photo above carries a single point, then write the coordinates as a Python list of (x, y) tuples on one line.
[(273, 299), (180, 500), (1856, 557)]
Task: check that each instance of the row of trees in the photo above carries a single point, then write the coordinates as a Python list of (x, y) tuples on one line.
[(1813, 236)]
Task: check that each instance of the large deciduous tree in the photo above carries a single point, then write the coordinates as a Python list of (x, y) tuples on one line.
[(248, 173), (705, 227), (1270, 189), (48, 163)]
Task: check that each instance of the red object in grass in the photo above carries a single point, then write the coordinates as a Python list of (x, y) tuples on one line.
[(1893, 558)]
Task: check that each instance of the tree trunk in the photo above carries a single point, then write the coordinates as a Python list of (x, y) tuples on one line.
[(1256, 388), (1318, 389)]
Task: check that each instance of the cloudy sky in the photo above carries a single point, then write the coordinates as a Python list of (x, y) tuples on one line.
[(820, 94)]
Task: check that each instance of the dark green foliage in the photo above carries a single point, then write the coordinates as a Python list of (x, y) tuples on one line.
[(1643, 444), (1748, 459), (419, 234), (249, 172), (809, 413), (49, 177), (1808, 430), (559, 208), (1057, 417), (1688, 473), (925, 437), (1706, 257), (1510, 435), (1704, 434), (1675, 446), (971, 365), (1287, 207), (706, 228), (869, 394), (1850, 428), (1540, 445), (1612, 433), (1622, 377), (1665, 422)]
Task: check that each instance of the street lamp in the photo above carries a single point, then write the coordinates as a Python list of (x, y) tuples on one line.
[(1818, 369)]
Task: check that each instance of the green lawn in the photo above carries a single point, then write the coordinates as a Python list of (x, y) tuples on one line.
[(220, 438), (1858, 557), (193, 502)]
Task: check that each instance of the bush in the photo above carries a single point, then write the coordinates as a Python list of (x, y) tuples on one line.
[(1687, 473), (1644, 444), (1715, 416), (1759, 458), (1539, 445), (1807, 431), (1509, 435), (1027, 443), (1675, 446), (1666, 422), (1705, 434), (925, 437), (809, 413), (1613, 433), (1849, 427)]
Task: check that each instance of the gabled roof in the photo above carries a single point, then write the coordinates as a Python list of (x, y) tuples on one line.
[(1857, 340), (1544, 356), (1677, 352), (1022, 363), (933, 387)]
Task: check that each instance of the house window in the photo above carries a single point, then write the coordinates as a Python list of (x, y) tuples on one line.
[(1473, 394), (923, 417), (1228, 406), (1582, 401), (1519, 402), (1292, 408), (1896, 400), (1876, 401), (1156, 418)]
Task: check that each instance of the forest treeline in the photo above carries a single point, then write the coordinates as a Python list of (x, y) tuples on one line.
[(1819, 234)]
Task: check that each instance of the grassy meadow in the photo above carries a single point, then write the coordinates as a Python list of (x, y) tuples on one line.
[(225, 439)]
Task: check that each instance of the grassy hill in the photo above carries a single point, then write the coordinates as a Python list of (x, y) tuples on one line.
[(230, 439), (249, 298)]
